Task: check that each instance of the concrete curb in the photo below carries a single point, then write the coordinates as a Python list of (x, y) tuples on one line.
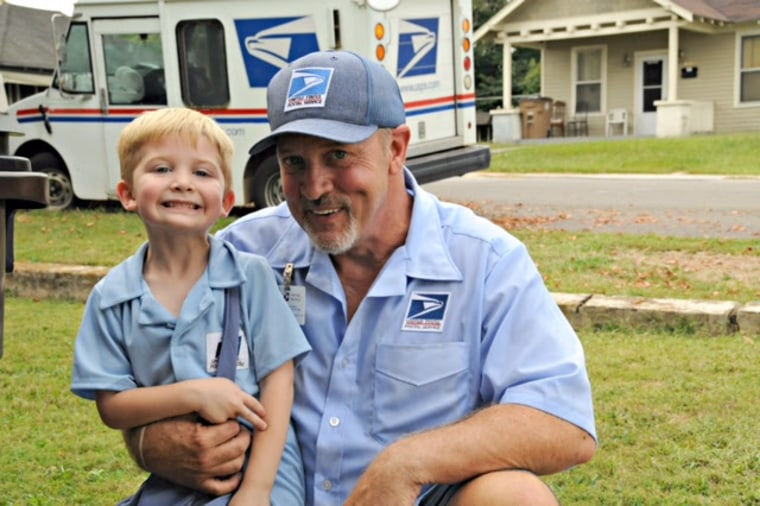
[(584, 311)]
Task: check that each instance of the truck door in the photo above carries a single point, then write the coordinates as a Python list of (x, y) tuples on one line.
[(129, 63), (425, 69)]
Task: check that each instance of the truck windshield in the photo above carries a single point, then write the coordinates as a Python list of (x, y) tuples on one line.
[(76, 65)]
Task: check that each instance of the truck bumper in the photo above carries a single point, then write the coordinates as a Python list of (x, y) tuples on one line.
[(444, 164)]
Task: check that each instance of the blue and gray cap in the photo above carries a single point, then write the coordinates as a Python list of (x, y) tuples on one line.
[(335, 95)]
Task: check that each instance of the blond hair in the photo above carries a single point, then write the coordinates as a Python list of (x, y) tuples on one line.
[(186, 123)]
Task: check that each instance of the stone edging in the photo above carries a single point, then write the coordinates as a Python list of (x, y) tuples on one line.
[(41, 281)]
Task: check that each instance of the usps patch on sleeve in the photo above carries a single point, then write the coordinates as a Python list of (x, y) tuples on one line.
[(308, 88), (426, 312)]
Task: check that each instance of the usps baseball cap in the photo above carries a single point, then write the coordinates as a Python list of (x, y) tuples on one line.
[(335, 95)]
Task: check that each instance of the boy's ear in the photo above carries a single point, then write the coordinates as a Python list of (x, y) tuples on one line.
[(126, 198), (228, 202)]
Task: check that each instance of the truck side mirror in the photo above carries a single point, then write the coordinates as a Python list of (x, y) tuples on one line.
[(382, 5)]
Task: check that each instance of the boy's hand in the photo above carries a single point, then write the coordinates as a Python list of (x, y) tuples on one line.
[(219, 400)]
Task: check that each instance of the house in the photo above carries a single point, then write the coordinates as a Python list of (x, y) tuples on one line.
[(674, 67), (27, 48)]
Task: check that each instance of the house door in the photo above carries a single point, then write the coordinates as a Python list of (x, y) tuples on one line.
[(651, 86)]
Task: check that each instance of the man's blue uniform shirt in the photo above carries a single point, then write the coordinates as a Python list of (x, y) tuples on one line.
[(458, 319)]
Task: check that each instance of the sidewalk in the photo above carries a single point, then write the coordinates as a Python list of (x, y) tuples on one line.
[(584, 311)]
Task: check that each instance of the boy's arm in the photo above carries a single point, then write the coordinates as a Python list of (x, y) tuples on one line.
[(267, 447), (215, 399)]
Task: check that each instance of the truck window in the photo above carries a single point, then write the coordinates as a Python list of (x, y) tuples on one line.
[(134, 69), (203, 63), (76, 65)]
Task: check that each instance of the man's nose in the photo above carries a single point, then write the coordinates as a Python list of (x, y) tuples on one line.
[(317, 181)]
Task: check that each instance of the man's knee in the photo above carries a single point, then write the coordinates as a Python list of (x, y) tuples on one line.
[(502, 488)]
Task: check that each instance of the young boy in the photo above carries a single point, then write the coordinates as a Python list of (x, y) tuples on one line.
[(148, 345)]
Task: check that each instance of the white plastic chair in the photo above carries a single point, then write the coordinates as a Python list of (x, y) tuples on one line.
[(617, 117)]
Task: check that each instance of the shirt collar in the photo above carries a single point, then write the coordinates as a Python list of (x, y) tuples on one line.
[(124, 282)]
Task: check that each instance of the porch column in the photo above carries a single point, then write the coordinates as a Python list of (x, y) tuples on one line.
[(673, 63), (506, 88)]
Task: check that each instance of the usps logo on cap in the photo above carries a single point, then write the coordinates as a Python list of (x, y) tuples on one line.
[(308, 88), (426, 312)]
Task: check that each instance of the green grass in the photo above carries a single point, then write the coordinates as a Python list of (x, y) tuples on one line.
[(646, 266), (676, 417), (677, 422), (735, 154), (79, 237), (55, 449)]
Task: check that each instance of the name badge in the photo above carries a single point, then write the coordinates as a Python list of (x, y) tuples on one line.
[(214, 348)]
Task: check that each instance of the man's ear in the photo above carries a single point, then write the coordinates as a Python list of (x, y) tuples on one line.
[(228, 202), (400, 137), (126, 197)]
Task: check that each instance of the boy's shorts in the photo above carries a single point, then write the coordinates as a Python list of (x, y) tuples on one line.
[(439, 495)]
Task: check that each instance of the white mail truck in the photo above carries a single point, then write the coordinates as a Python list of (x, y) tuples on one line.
[(123, 57)]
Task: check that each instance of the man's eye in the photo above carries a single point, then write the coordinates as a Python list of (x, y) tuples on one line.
[(340, 154)]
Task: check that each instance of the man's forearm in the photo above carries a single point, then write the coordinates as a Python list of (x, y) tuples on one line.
[(496, 438)]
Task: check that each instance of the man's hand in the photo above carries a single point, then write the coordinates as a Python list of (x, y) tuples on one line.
[(208, 458), (386, 481)]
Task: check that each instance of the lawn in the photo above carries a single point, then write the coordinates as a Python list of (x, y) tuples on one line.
[(676, 416), (734, 154)]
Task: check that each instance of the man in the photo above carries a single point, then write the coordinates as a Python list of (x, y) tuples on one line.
[(441, 367)]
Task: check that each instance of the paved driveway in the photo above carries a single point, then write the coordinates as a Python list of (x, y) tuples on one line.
[(690, 206)]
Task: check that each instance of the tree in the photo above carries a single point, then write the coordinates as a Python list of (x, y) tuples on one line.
[(489, 83)]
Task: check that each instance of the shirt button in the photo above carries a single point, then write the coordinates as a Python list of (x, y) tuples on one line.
[(327, 485), (334, 421), (345, 362)]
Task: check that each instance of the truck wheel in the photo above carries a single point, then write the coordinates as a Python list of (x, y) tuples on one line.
[(61, 192), (267, 186)]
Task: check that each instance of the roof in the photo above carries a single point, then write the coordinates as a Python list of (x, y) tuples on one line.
[(706, 12), (734, 11), (26, 38)]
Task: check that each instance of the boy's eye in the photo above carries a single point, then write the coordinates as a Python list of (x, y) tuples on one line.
[(162, 169), (202, 173), (291, 162)]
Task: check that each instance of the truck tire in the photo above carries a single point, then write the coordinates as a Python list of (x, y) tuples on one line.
[(267, 186), (61, 192)]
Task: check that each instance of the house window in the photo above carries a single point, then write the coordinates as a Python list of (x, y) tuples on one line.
[(749, 73), (588, 63)]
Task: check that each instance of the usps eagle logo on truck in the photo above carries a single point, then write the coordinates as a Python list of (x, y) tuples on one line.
[(417, 44), (426, 312), (270, 44)]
